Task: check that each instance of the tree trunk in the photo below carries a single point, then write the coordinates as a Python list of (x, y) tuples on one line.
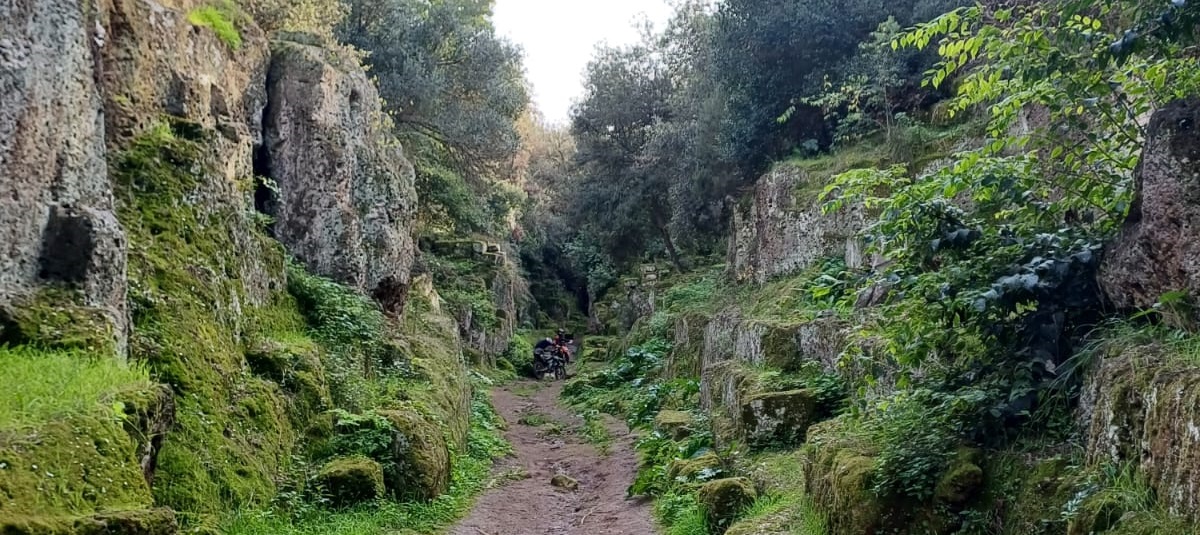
[(666, 236)]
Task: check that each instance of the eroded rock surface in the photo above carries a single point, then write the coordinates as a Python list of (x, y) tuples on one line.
[(56, 204), (782, 230), (1143, 407), (1158, 251), (345, 202)]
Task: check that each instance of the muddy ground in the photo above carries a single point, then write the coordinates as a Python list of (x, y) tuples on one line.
[(548, 440)]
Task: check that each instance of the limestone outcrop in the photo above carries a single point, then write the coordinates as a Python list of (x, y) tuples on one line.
[(343, 201)]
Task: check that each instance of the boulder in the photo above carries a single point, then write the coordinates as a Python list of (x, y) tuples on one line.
[(564, 482), (57, 219), (344, 201), (1157, 251), (702, 467), (724, 499), (674, 424), (778, 418), (351, 480), (418, 461)]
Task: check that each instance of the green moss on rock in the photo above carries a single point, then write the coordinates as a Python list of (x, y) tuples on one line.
[(193, 289), (137, 522), (77, 465), (960, 483), (778, 418), (55, 318), (839, 469), (351, 480), (675, 424), (418, 466), (724, 499), (692, 469)]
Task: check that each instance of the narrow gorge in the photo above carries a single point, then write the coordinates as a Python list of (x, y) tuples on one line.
[(924, 267)]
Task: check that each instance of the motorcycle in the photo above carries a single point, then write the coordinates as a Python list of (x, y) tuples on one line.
[(551, 361)]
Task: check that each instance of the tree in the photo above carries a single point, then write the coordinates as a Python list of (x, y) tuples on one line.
[(620, 198)]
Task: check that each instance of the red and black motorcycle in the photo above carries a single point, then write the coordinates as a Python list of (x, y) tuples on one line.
[(551, 361)]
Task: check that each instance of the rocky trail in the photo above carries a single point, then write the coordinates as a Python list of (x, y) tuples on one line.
[(548, 441)]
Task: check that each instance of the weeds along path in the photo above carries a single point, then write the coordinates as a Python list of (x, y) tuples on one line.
[(549, 440)]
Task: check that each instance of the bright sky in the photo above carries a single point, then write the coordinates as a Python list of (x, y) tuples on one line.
[(559, 36)]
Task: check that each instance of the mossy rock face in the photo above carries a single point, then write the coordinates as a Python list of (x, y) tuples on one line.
[(418, 466), (838, 474), (140, 522), (53, 319), (778, 418), (74, 466), (199, 270), (780, 349), (351, 480), (675, 424), (296, 366), (149, 417), (692, 469), (724, 499)]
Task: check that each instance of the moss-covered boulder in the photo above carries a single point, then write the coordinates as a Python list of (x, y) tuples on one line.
[(418, 463), (778, 418), (962, 480), (138, 522), (674, 424), (351, 480), (700, 467), (724, 499), (838, 472)]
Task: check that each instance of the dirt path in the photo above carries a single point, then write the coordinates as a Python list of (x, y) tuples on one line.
[(547, 440)]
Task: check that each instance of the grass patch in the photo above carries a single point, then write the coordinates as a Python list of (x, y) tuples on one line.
[(681, 514), (596, 432), (535, 419), (44, 386), (220, 19)]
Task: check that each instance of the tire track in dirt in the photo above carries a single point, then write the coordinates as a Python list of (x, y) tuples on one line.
[(525, 503)]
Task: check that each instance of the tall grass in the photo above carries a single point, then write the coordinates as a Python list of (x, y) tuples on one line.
[(40, 386)]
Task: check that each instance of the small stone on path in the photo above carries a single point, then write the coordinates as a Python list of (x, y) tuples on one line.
[(564, 482)]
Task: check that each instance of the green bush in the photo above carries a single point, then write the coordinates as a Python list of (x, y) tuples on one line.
[(918, 433), (365, 369)]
